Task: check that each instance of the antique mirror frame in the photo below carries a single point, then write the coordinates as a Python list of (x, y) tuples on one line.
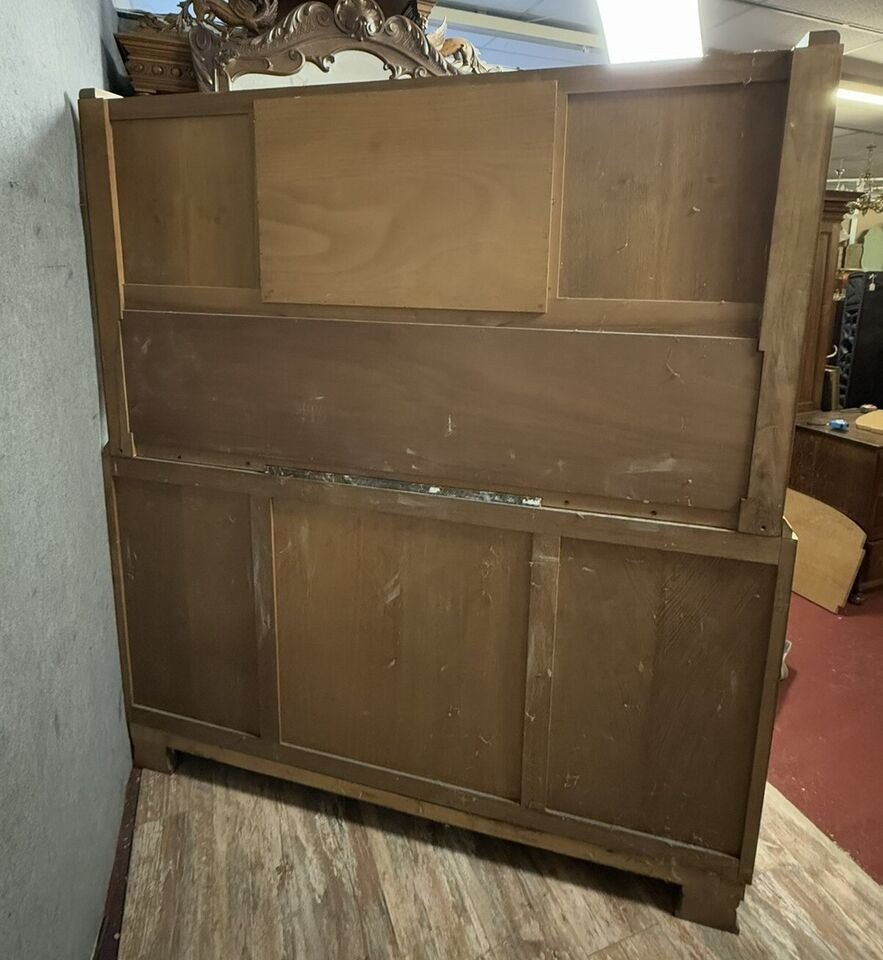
[(314, 33)]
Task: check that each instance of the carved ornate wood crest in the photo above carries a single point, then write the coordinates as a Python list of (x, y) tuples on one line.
[(314, 33)]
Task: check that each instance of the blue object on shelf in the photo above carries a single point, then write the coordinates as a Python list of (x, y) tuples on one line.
[(840, 425)]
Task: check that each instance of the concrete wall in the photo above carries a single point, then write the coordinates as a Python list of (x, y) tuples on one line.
[(64, 754)]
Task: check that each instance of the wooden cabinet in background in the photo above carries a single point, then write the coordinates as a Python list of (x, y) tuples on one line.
[(820, 314), (844, 470)]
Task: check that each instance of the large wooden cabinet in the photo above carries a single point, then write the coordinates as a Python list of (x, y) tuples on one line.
[(446, 460), (820, 312)]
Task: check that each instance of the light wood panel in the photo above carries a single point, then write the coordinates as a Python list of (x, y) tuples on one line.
[(830, 550), (659, 663), (185, 556), (98, 186), (661, 420), (186, 197), (402, 643), (354, 209), (669, 194)]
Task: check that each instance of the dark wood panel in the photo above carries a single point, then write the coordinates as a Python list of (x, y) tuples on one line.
[(669, 194), (652, 419), (186, 198), (189, 601), (871, 574), (806, 148), (837, 471), (579, 524), (402, 643), (659, 663), (354, 209)]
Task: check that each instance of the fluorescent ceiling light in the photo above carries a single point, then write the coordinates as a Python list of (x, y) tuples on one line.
[(638, 30), (860, 96)]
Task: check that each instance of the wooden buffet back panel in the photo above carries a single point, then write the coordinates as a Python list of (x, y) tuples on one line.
[(474, 654), (547, 283)]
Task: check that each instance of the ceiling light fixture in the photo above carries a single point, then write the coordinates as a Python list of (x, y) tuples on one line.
[(870, 199), (642, 30), (860, 96)]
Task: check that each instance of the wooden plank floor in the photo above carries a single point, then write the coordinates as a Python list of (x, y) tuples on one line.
[(229, 865)]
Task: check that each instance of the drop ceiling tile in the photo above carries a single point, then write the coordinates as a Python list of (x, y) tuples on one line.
[(874, 52), (867, 13), (859, 116), (715, 13)]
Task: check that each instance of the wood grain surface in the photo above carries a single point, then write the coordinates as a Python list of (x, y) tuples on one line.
[(658, 676), (228, 864), (830, 550), (809, 122), (189, 603), (402, 642), (186, 195), (669, 194), (661, 420), (363, 200)]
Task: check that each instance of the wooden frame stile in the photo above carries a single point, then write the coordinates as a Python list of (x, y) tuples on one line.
[(104, 245), (809, 122), (262, 554), (544, 566), (769, 699)]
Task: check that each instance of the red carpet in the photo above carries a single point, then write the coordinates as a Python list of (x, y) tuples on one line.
[(828, 745)]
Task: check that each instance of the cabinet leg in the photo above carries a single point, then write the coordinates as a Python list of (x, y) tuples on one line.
[(152, 753), (709, 900)]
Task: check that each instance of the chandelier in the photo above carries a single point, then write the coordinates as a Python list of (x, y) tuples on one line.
[(870, 198)]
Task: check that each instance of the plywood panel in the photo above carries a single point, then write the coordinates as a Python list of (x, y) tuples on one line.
[(187, 584), (186, 198), (402, 643), (408, 197), (669, 194), (830, 550), (658, 419), (659, 665)]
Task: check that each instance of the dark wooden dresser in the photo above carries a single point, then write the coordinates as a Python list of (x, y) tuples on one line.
[(844, 470)]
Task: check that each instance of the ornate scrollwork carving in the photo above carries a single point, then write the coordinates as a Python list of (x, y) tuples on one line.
[(314, 33)]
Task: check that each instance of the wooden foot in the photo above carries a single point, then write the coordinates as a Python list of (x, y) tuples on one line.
[(709, 900), (151, 753)]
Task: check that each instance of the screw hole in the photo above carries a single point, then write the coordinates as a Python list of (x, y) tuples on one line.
[(653, 513)]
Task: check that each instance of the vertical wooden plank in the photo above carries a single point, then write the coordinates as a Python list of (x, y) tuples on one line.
[(264, 575), (116, 570), (542, 618), (809, 121), (556, 227), (105, 263), (769, 697)]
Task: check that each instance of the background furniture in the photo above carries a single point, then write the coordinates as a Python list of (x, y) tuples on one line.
[(860, 348), (455, 483), (819, 328), (844, 470)]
